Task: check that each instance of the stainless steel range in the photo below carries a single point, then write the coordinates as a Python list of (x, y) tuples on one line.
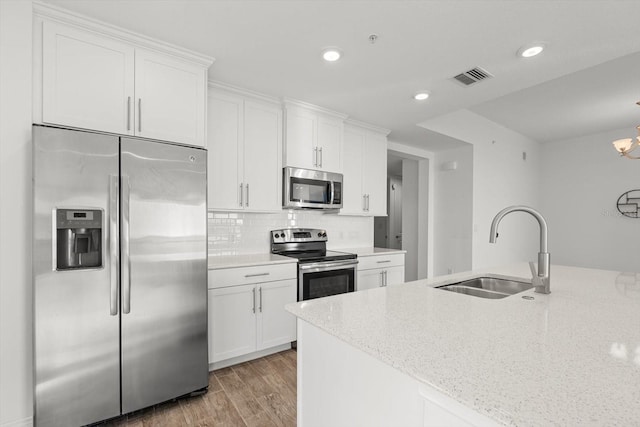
[(321, 272)]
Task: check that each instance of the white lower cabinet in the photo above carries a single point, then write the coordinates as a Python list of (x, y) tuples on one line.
[(232, 322), (380, 270), (249, 318)]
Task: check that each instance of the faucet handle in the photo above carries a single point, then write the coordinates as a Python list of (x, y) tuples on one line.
[(534, 273)]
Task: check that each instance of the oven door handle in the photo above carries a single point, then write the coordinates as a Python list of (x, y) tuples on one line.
[(325, 266)]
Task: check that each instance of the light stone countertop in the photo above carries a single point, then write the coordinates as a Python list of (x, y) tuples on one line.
[(370, 251), (568, 358), (216, 262)]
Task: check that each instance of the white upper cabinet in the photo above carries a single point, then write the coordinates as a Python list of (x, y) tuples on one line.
[(224, 144), (353, 201), (170, 98), (87, 80), (91, 76), (245, 150), (313, 138), (365, 176), (374, 173), (262, 156)]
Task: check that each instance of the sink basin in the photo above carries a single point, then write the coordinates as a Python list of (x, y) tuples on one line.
[(488, 287)]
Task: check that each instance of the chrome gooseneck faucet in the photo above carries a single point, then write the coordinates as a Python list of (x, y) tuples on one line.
[(542, 278)]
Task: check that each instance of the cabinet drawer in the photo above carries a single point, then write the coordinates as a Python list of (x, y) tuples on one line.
[(380, 261), (223, 277)]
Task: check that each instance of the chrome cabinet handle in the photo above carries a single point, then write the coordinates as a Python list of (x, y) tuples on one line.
[(113, 245), (320, 150), (382, 262), (385, 278), (139, 114), (256, 275), (129, 113), (241, 195), (382, 279), (247, 202), (315, 156), (254, 299), (260, 293), (126, 260), (367, 203), (364, 202)]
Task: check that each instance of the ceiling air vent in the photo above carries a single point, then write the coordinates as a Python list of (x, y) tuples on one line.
[(472, 76)]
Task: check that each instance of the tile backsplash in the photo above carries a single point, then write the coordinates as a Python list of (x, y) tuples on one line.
[(238, 233)]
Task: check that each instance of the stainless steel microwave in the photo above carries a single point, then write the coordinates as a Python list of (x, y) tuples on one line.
[(311, 189)]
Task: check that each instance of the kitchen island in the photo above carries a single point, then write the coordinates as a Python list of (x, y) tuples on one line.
[(416, 355)]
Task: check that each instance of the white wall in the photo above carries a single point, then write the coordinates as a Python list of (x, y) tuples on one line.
[(15, 212), (453, 211), (582, 179), (248, 233), (500, 178)]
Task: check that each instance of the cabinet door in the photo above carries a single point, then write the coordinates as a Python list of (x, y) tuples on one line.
[(232, 322), (224, 143), (275, 324), (262, 154), (395, 275), (301, 138), (374, 177), (353, 201), (87, 80), (369, 279), (329, 144), (170, 98)]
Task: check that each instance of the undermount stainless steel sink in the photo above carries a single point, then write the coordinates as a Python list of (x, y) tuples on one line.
[(488, 287)]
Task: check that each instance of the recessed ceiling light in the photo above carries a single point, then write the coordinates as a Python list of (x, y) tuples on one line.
[(331, 54), (530, 50), (421, 96)]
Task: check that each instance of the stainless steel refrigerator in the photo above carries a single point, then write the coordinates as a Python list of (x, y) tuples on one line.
[(119, 272)]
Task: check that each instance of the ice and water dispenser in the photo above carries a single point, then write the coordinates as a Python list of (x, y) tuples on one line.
[(78, 239)]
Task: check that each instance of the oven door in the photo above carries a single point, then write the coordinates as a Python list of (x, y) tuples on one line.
[(322, 279)]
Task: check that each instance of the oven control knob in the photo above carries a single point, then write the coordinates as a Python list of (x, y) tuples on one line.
[(319, 234), (324, 234), (277, 235)]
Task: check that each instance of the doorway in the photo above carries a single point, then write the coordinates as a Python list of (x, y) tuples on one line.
[(401, 229)]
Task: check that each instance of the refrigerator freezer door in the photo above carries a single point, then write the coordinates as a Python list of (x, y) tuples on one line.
[(76, 336), (164, 268)]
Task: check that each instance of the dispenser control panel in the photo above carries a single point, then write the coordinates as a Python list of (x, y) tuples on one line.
[(86, 218)]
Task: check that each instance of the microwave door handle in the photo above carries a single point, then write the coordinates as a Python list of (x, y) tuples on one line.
[(333, 191)]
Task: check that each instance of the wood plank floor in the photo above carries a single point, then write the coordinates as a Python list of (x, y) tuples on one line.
[(261, 392)]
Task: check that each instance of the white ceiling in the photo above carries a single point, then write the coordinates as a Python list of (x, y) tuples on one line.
[(274, 47)]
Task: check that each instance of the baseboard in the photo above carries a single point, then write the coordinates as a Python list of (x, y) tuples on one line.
[(246, 357), (25, 422)]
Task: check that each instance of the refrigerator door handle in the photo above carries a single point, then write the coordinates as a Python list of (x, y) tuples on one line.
[(126, 262), (113, 245)]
